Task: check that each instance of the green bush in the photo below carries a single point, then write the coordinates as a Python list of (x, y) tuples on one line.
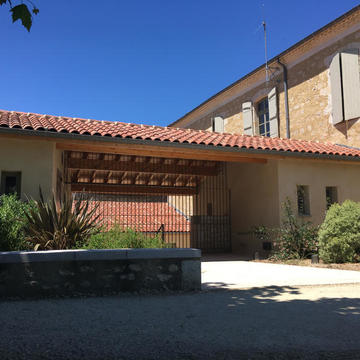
[(12, 220), (297, 239), (118, 238), (339, 235)]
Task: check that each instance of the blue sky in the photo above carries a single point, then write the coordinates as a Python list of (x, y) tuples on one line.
[(146, 62)]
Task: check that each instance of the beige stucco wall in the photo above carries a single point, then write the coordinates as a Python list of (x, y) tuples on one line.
[(258, 191), (254, 201), (34, 159), (317, 175), (309, 94)]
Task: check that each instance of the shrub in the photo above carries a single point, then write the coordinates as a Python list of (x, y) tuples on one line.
[(55, 227), (339, 235), (118, 238), (297, 239), (12, 220)]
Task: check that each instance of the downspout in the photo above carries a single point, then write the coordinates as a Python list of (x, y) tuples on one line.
[(286, 97)]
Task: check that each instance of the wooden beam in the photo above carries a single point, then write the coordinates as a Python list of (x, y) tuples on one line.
[(132, 189), (92, 176), (165, 151), (108, 176), (145, 167)]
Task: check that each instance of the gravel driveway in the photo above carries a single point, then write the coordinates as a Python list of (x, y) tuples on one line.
[(261, 323), (245, 274)]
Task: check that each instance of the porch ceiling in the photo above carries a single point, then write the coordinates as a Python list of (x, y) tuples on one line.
[(115, 173)]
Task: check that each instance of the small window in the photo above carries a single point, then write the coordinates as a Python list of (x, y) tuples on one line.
[(303, 200), (218, 124), (264, 118), (11, 182), (331, 196)]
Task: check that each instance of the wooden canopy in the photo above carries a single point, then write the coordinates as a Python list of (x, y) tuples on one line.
[(116, 173)]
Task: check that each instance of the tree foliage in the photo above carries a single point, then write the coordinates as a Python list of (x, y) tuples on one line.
[(12, 221), (339, 235), (22, 12)]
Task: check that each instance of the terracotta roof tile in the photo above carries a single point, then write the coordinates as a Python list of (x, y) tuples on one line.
[(139, 214), (60, 124)]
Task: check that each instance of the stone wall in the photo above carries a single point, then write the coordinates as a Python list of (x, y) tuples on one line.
[(309, 97), (98, 272)]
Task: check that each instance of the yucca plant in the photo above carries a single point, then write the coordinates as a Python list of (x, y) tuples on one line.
[(52, 226)]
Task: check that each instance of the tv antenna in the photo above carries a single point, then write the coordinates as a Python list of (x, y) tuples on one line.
[(265, 44)]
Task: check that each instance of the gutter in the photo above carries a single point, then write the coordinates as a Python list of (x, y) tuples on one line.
[(285, 80), (168, 144)]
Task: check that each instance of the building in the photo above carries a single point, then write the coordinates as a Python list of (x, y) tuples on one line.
[(222, 184), (320, 75), (209, 189)]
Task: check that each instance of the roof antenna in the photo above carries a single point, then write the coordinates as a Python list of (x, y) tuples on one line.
[(265, 44)]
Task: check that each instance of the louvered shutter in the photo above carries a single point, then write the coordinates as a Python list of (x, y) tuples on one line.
[(351, 83), (247, 113), (218, 124), (336, 92), (273, 113)]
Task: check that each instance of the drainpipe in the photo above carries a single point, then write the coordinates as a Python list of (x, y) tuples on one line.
[(286, 98)]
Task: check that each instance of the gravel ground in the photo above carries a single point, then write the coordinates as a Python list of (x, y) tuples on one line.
[(307, 262), (244, 274), (274, 322)]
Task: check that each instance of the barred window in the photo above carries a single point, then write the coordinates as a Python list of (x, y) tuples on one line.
[(331, 196), (303, 200), (11, 182)]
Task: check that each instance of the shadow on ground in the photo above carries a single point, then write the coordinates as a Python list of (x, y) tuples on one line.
[(259, 323)]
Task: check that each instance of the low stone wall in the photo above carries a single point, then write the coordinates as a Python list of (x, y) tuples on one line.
[(98, 272)]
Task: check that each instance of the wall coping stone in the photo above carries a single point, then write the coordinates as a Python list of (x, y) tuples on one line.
[(94, 255)]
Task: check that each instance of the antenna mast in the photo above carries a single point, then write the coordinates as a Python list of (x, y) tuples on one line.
[(265, 44)]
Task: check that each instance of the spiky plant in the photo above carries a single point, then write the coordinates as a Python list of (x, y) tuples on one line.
[(52, 226)]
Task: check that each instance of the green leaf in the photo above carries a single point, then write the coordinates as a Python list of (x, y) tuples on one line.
[(21, 12)]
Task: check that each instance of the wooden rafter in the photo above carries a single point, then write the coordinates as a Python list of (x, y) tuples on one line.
[(145, 167), (108, 176), (133, 189)]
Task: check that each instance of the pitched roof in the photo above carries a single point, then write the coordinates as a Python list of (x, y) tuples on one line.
[(91, 128)]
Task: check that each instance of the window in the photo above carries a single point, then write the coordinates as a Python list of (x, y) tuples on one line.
[(303, 201), (331, 195), (218, 124), (345, 86), (264, 119), (10, 182)]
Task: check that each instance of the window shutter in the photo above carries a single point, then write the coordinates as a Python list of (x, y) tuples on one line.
[(218, 124), (351, 83), (273, 113), (336, 92), (247, 112)]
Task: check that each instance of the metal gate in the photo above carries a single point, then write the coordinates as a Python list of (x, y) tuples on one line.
[(186, 202)]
